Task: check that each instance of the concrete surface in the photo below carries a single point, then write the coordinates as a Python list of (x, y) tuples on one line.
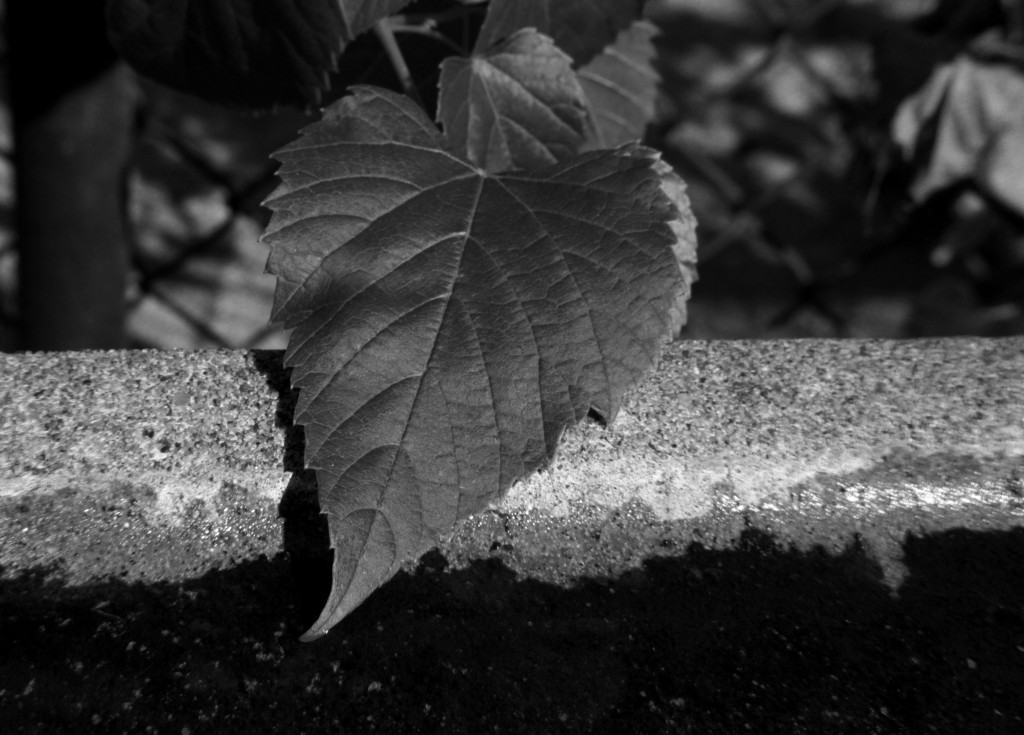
[(746, 488), (164, 465)]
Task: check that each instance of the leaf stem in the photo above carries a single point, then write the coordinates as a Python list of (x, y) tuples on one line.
[(386, 36), (429, 32), (441, 16)]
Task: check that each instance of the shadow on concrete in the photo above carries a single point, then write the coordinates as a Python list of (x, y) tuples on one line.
[(305, 536), (710, 642)]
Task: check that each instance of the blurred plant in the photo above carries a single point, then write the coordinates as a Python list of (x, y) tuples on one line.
[(783, 127), (961, 138)]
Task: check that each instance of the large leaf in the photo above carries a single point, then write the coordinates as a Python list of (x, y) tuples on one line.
[(450, 323), (581, 28), (250, 53), (516, 106), (621, 86)]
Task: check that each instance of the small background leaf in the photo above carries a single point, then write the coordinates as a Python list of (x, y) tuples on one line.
[(449, 324), (241, 52), (949, 129), (1000, 173), (621, 87), (517, 106), (581, 28)]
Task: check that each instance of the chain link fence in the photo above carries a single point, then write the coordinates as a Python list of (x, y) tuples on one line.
[(194, 194), (776, 115), (780, 127)]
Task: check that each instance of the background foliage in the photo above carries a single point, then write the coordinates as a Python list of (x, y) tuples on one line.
[(779, 115)]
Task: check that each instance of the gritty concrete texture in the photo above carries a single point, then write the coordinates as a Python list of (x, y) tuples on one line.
[(139, 465), (775, 537), (164, 465)]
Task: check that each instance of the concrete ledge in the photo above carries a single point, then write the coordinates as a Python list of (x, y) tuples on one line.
[(162, 466)]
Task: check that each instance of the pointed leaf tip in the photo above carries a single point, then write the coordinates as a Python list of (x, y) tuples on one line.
[(313, 634)]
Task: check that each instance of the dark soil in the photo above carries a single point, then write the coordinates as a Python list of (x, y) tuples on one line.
[(756, 639)]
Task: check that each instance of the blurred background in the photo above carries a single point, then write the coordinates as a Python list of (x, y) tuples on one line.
[(856, 168)]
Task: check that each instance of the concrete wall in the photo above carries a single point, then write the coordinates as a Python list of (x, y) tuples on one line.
[(151, 466)]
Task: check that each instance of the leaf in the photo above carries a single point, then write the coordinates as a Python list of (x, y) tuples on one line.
[(449, 323), (1000, 172), (621, 87), (519, 105), (242, 52), (516, 106), (951, 127), (581, 28)]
